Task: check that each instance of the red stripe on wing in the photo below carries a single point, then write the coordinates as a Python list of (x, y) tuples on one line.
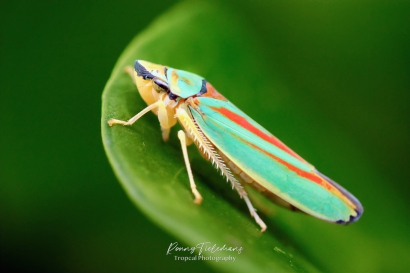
[(320, 180), (310, 176), (241, 121)]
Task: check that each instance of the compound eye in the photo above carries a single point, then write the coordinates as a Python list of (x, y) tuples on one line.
[(172, 96), (160, 85)]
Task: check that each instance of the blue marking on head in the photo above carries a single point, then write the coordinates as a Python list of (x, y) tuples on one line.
[(142, 72), (203, 88)]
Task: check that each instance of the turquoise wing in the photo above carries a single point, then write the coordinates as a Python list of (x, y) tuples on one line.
[(271, 164)]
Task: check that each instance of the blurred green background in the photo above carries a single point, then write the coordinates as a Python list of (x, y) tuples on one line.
[(346, 66)]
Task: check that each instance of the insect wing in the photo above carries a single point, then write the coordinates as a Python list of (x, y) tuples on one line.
[(271, 163)]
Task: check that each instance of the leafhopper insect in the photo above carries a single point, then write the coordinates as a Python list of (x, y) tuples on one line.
[(244, 152)]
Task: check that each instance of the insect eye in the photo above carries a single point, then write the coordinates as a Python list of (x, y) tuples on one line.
[(172, 96), (160, 85)]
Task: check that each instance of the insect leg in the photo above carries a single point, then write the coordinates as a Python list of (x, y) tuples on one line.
[(182, 138), (165, 133), (252, 210), (159, 104), (164, 121)]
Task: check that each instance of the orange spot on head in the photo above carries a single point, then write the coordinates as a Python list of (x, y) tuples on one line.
[(187, 81), (174, 77)]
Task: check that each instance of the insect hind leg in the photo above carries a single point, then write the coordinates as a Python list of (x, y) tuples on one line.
[(252, 210)]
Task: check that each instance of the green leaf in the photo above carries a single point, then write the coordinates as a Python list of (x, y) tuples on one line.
[(153, 173)]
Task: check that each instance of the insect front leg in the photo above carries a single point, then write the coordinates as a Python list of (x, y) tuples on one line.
[(182, 137), (159, 104), (166, 117), (163, 118)]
